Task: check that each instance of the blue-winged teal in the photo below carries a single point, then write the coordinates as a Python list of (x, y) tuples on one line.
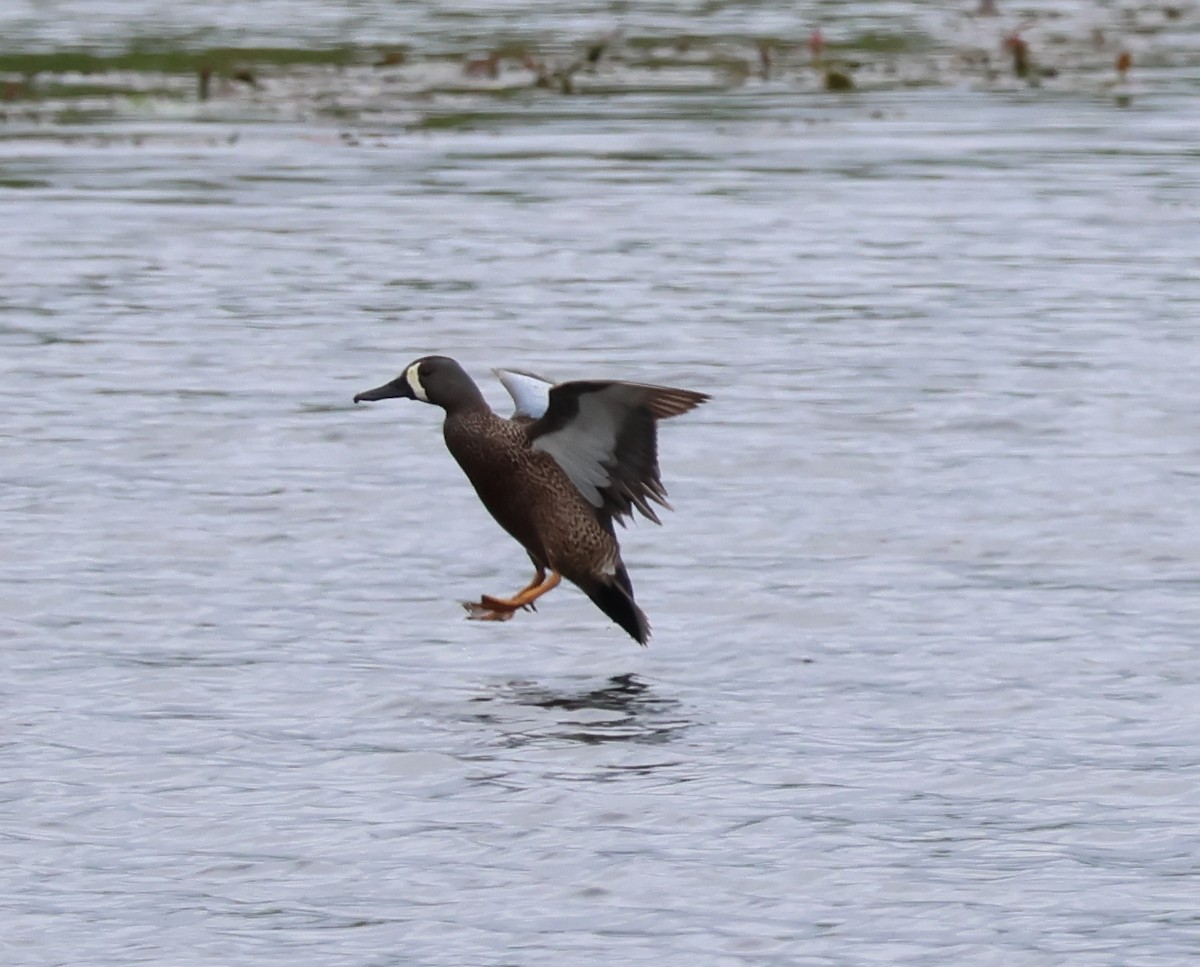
[(575, 457)]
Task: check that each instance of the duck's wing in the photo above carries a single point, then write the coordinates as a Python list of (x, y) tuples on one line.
[(530, 392), (605, 437)]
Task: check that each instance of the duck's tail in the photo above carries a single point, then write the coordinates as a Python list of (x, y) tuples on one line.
[(614, 597)]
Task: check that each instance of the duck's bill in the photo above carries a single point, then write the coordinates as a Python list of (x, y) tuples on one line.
[(396, 389)]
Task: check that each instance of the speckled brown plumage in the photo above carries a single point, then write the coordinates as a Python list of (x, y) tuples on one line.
[(530, 496), (556, 480)]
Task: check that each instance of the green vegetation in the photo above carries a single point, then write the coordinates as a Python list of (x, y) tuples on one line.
[(166, 61)]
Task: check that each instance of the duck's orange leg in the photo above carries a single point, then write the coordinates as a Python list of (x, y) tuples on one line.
[(501, 609), (534, 582)]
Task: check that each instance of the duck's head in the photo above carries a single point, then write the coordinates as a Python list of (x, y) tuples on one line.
[(431, 379)]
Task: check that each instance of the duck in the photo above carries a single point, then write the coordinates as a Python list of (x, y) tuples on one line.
[(574, 458)]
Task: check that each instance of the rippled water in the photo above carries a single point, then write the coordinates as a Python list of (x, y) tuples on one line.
[(924, 685)]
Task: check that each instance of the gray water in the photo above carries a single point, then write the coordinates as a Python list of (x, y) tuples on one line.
[(924, 685)]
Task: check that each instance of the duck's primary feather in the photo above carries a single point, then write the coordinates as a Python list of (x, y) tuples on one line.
[(604, 436)]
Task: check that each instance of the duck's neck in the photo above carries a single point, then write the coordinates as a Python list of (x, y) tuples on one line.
[(469, 400), (468, 403)]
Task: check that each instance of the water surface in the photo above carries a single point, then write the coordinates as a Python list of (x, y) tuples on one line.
[(923, 684)]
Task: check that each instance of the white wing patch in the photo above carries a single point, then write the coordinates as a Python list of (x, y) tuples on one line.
[(530, 393), (585, 445)]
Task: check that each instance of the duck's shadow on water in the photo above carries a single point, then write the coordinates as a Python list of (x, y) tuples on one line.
[(624, 709)]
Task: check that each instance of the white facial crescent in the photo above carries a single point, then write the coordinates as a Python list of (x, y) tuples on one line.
[(413, 378)]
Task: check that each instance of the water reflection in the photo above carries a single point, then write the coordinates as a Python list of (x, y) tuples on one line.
[(624, 709)]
